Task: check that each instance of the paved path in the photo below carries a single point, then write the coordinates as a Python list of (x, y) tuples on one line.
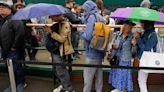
[(37, 84)]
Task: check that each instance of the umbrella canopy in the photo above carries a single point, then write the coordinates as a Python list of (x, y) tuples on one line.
[(138, 13), (38, 10)]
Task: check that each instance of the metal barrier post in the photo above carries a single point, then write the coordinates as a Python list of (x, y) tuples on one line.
[(11, 75)]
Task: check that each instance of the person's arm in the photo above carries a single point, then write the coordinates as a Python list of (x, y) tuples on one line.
[(19, 31), (72, 18), (150, 43), (87, 34)]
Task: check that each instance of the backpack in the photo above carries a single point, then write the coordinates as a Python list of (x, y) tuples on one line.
[(51, 44), (100, 38)]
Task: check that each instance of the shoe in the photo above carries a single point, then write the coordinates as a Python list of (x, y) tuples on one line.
[(20, 87), (69, 91), (115, 90), (25, 85), (58, 89), (80, 53), (7, 89)]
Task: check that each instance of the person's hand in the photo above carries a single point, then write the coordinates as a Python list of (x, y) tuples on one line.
[(79, 28), (115, 46), (47, 29), (13, 49), (134, 41)]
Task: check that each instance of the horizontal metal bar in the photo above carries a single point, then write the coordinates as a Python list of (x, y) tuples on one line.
[(86, 65), (80, 25)]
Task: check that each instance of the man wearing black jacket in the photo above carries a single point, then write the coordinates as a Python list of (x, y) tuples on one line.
[(70, 15), (12, 43), (75, 34), (73, 19)]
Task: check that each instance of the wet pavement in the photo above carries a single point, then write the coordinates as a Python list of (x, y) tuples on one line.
[(40, 84)]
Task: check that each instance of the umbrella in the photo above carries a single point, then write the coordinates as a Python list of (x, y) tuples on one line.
[(38, 10), (138, 13)]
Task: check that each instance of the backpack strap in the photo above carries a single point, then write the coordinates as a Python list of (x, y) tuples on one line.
[(106, 30), (96, 17)]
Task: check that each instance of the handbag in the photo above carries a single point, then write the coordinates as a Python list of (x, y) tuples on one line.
[(51, 44), (114, 60), (136, 62)]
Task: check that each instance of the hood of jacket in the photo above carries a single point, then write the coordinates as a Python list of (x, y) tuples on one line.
[(89, 7)]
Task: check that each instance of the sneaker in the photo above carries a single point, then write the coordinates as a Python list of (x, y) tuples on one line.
[(58, 89), (115, 90), (20, 87), (25, 85), (80, 53), (7, 89), (68, 91)]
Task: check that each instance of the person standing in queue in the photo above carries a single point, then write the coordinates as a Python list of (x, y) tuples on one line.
[(123, 48), (93, 56), (61, 33), (12, 42), (145, 42)]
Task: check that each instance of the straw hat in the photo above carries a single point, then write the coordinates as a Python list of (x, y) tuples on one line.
[(18, 4)]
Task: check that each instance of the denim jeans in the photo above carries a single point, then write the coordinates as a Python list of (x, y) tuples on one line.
[(18, 69), (75, 40), (62, 73)]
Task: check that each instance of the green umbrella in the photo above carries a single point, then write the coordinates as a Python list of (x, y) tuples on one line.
[(138, 13)]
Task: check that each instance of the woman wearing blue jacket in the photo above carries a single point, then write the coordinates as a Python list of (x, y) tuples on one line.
[(123, 48), (145, 42)]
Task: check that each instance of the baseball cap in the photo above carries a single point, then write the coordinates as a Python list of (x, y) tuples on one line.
[(67, 1), (129, 22), (2, 3)]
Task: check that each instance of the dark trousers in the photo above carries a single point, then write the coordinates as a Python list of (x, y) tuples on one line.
[(18, 69), (62, 73), (75, 40)]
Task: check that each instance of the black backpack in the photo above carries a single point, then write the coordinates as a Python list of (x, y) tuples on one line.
[(51, 44)]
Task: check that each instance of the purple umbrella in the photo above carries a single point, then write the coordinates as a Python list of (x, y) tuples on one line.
[(138, 13), (38, 10)]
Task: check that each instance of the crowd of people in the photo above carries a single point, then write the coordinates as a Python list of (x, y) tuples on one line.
[(126, 44)]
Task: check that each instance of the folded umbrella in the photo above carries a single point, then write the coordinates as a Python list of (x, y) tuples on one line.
[(138, 13), (38, 10)]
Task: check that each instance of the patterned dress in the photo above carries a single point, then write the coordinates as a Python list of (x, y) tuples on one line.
[(121, 78)]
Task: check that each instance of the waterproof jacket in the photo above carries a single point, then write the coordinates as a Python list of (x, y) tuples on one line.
[(147, 42), (12, 34), (64, 37), (72, 17), (126, 48), (91, 16)]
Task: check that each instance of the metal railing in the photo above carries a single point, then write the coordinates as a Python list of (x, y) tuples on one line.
[(12, 77)]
